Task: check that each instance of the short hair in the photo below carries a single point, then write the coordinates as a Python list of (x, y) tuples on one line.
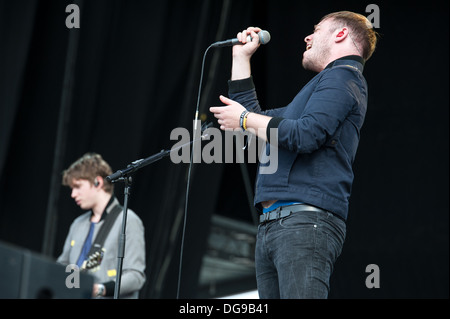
[(362, 30), (88, 167)]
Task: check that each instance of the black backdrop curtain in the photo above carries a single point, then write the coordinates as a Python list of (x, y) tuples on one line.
[(136, 70)]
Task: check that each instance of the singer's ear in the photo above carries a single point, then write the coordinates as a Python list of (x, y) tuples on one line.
[(340, 34)]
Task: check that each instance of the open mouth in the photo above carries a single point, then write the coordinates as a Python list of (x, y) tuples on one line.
[(308, 46)]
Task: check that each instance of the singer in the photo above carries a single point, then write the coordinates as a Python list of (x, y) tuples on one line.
[(304, 204)]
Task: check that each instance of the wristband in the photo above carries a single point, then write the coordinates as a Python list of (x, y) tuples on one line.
[(243, 120), (244, 123)]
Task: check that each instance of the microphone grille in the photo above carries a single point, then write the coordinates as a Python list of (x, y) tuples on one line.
[(264, 36)]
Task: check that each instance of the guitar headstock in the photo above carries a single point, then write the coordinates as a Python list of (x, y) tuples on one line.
[(94, 260)]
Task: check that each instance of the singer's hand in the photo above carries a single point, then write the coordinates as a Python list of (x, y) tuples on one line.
[(228, 116), (242, 53), (248, 48)]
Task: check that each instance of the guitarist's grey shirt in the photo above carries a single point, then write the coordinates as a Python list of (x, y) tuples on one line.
[(133, 268)]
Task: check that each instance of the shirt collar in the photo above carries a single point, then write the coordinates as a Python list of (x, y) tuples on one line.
[(347, 58), (113, 201)]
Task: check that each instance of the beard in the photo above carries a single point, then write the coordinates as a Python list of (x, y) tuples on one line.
[(315, 59)]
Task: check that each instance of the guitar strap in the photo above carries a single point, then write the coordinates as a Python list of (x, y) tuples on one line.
[(104, 231)]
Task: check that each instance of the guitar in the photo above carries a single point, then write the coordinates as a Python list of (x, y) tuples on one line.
[(93, 261)]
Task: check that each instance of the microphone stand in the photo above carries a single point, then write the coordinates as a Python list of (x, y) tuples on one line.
[(124, 175)]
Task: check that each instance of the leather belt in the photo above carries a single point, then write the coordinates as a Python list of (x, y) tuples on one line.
[(285, 211)]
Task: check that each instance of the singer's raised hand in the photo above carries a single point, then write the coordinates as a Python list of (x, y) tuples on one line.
[(242, 53), (248, 48)]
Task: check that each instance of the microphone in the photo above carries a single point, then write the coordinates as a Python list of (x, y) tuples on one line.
[(263, 36)]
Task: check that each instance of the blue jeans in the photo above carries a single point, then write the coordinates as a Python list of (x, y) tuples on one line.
[(295, 255)]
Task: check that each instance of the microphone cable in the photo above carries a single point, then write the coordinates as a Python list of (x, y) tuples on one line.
[(189, 171)]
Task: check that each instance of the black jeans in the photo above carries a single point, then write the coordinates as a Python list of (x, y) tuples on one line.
[(295, 255)]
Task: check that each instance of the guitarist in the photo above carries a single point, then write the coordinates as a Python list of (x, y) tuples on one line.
[(92, 241)]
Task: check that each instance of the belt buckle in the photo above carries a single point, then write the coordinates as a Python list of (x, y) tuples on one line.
[(278, 212)]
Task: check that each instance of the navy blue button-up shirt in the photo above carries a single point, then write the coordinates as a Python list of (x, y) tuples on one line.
[(317, 137)]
